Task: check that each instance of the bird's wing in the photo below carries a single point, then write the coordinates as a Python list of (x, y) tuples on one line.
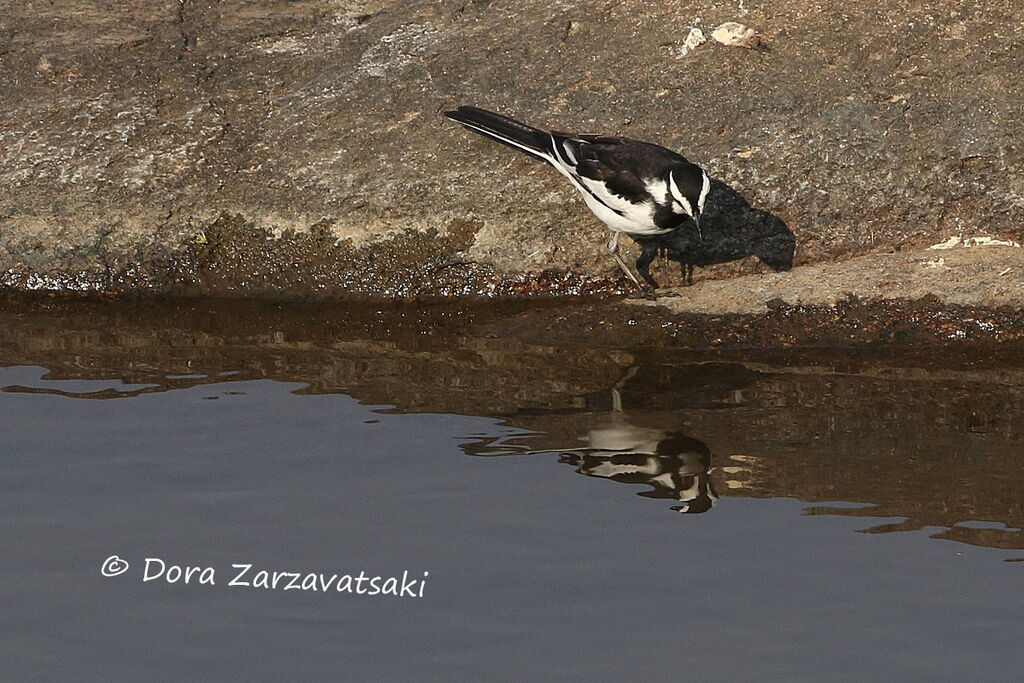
[(600, 167)]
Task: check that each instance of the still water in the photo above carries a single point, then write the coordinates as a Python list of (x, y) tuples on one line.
[(544, 509)]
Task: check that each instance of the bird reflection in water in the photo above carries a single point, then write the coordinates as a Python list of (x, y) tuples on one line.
[(674, 465)]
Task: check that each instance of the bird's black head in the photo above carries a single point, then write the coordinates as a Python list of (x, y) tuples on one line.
[(688, 188)]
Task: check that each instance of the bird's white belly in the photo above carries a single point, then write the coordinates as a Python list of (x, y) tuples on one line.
[(637, 219), (620, 223), (624, 437)]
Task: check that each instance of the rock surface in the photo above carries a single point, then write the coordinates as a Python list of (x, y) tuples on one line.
[(988, 276), (298, 148)]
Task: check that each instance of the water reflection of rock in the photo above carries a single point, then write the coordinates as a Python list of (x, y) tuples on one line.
[(924, 440)]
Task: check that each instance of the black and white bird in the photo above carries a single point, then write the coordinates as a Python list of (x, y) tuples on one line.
[(675, 466), (651, 193)]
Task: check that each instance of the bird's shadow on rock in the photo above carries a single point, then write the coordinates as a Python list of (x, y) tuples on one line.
[(732, 230)]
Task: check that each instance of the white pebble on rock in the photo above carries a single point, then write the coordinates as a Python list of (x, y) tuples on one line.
[(732, 33)]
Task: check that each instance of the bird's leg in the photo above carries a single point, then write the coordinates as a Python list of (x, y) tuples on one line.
[(613, 246), (617, 389), (613, 242), (643, 264), (625, 269), (687, 269)]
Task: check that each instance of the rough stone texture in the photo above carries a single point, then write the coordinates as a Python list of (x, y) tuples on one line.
[(169, 144), (986, 276)]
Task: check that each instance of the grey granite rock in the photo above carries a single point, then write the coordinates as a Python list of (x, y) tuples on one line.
[(298, 148)]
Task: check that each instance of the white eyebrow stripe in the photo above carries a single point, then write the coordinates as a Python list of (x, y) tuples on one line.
[(704, 189), (674, 189)]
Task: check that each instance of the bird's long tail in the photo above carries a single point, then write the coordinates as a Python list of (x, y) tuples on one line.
[(505, 130)]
